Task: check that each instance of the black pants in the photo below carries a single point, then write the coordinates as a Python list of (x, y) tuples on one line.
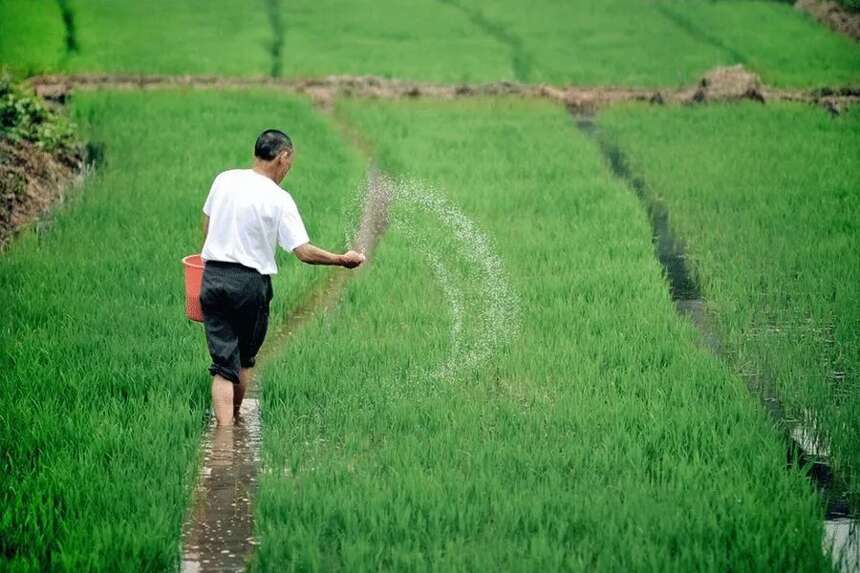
[(235, 301)]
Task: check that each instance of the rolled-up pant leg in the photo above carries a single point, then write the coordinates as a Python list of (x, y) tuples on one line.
[(235, 302)]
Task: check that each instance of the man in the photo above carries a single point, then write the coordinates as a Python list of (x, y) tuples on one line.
[(246, 215)]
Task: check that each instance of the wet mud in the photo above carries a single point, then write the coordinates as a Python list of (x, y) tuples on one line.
[(804, 448), (218, 534)]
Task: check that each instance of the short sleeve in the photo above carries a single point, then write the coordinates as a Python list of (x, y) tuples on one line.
[(291, 228), (207, 206)]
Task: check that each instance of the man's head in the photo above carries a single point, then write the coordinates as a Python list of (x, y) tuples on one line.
[(274, 149)]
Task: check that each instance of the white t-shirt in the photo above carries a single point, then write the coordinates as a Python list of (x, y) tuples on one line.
[(249, 216)]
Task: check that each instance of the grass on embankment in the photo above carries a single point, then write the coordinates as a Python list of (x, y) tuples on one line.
[(105, 389), (602, 438), (766, 201)]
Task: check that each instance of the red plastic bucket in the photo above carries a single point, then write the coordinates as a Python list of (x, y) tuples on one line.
[(193, 281)]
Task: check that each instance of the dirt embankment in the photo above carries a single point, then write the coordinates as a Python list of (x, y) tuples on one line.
[(721, 84), (31, 182), (834, 15)]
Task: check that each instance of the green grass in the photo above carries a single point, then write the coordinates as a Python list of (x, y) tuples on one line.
[(600, 438), (422, 41), (665, 43), (105, 384), (625, 42), (418, 40), (618, 42), (32, 38), (199, 37), (191, 37), (791, 50), (766, 202)]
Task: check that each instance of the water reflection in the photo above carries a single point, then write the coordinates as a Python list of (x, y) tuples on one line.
[(218, 533), (842, 538)]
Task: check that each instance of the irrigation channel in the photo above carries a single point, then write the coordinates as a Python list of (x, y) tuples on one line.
[(803, 447), (218, 532)]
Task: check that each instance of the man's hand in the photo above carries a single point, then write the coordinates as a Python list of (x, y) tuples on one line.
[(352, 259), (314, 255)]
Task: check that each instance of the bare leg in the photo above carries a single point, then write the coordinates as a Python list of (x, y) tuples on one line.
[(222, 400), (246, 375)]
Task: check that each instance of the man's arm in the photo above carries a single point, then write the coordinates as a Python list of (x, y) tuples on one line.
[(313, 255)]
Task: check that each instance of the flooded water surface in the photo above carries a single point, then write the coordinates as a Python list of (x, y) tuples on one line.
[(218, 534)]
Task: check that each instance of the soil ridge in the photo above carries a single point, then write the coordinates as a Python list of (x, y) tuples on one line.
[(32, 181), (581, 98)]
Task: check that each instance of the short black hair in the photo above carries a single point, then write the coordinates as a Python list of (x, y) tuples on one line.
[(270, 143)]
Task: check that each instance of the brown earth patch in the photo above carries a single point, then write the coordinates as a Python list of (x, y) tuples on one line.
[(31, 182), (729, 83), (833, 15), (722, 84)]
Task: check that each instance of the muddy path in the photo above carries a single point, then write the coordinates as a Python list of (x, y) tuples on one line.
[(719, 85), (218, 532), (803, 446)]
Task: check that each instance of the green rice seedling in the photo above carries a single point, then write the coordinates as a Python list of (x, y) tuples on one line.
[(618, 42), (668, 43), (419, 40), (422, 41), (597, 434), (791, 49), (31, 36), (155, 37), (193, 37), (104, 384), (765, 200)]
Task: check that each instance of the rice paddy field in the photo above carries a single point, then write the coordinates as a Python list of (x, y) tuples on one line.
[(617, 42), (506, 384)]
